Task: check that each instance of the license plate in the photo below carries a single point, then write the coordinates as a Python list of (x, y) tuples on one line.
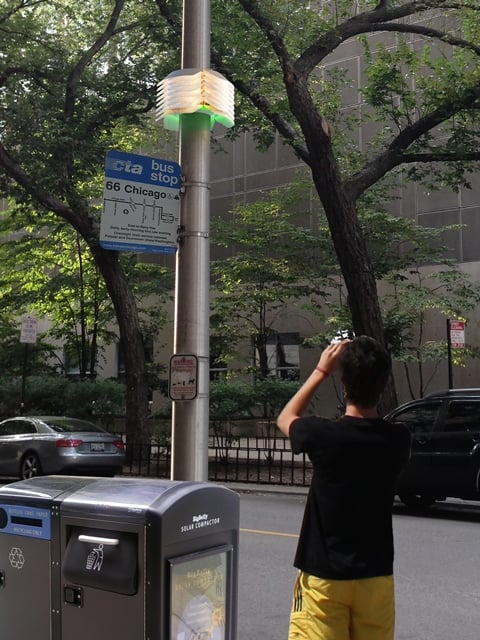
[(97, 446)]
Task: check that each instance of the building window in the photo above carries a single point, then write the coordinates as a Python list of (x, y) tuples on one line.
[(281, 351), (71, 362), (218, 363)]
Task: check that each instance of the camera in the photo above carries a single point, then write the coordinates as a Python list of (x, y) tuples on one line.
[(342, 335)]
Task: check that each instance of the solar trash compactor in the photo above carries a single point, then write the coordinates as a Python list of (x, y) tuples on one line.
[(118, 559)]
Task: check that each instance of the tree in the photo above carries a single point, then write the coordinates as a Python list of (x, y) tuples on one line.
[(420, 286), (264, 235), (424, 95), (419, 294), (24, 359), (66, 96), (49, 271), (417, 298), (276, 262)]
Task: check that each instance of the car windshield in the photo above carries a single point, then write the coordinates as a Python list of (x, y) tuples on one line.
[(71, 425)]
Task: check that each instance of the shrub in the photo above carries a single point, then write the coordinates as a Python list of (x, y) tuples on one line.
[(57, 395)]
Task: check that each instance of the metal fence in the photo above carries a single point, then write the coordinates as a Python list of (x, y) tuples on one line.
[(252, 459)]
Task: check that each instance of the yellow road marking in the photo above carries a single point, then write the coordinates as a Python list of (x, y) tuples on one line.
[(269, 533)]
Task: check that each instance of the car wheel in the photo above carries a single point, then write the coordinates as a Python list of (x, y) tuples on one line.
[(30, 466), (416, 500)]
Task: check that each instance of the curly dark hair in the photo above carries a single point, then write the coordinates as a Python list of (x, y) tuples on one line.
[(365, 366)]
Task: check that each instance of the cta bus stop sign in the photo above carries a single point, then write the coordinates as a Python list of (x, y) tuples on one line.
[(141, 203)]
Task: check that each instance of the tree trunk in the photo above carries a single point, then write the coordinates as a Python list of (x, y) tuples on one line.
[(341, 213), (137, 428), (356, 267), (261, 346), (77, 214)]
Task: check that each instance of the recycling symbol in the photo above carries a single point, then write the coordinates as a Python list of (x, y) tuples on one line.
[(16, 557)]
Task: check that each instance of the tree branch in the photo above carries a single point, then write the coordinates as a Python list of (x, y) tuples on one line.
[(441, 156), (394, 155), (171, 16), (427, 32), (22, 4), (381, 18), (268, 29), (26, 72), (82, 223), (123, 108), (247, 89), (76, 73), (372, 21), (281, 124)]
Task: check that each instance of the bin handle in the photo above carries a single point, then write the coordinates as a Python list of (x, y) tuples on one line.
[(96, 540)]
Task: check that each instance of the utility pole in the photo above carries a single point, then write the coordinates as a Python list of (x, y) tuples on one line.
[(191, 100), (190, 418)]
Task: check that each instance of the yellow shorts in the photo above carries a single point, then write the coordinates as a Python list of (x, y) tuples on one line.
[(342, 609)]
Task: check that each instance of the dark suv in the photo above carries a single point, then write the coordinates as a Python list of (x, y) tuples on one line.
[(445, 460)]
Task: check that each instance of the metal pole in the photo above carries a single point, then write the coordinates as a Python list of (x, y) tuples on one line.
[(190, 418), (449, 355), (24, 379)]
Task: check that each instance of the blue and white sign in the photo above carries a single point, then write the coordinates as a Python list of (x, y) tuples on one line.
[(22, 520), (141, 203)]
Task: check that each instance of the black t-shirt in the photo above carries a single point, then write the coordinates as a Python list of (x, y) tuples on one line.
[(347, 525)]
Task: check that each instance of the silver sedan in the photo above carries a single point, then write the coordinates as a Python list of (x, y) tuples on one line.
[(35, 445)]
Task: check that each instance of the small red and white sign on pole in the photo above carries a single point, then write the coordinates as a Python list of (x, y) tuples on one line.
[(182, 384), (457, 334)]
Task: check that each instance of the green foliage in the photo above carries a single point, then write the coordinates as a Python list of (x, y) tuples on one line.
[(66, 91), (420, 286), (230, 400), (88, 83), (55, 395), (34, 359), (234, 399), (389, 86), (274, 260), (50, 272), (430, 90), (271, 394), (101, 399), (417, 298)]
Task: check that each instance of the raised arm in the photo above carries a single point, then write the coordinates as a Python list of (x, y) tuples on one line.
[(297, 405)]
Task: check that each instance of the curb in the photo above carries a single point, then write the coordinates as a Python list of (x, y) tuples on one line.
[(247, 487)]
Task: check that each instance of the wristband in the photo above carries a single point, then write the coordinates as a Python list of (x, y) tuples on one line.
[(324, 371)]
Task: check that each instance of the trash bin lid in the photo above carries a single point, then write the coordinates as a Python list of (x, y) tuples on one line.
[(128, 497), (43, 488)]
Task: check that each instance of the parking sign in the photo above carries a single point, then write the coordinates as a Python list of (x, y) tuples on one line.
[(457, 334), (28, 331)]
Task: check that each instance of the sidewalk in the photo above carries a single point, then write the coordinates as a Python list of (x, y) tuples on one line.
[(251, 487)]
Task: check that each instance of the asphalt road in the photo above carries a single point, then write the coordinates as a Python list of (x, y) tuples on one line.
[(437, 569)]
